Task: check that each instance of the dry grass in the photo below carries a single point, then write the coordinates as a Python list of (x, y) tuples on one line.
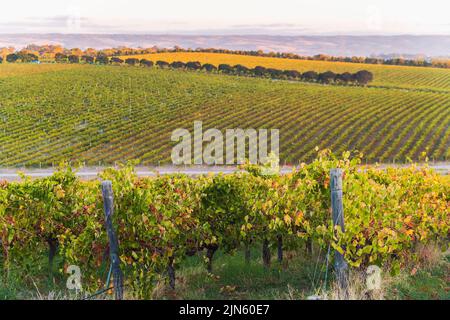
[(357, 288), (428, 256), (427, 278), (430, 259), (20, 69)]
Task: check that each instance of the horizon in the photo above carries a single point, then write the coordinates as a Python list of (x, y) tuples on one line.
[(307, 45), (226, 35)]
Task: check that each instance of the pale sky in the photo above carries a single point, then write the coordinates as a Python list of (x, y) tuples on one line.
[(227, 17)]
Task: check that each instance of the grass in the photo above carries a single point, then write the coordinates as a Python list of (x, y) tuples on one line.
[(232, 278), (31, 279), (298, 279), (425, 284)]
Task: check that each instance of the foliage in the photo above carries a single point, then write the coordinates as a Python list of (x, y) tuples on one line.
[(24, 57), (160, 221)]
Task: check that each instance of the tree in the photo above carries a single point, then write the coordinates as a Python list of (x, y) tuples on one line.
[(259, 71), (240, 69), (363, 77), (345, 77), (292, 74), (358, 59), (162, 64), (60, 57), (225, 68), (209, 67), (373, 61), (194, 65), (102, 59), (11, 58), (90, 52), (327, 77), (76, 52), (87, 59), (5, 51), (321, 57), (74, 58), (116, 60), (132, 61), (275, 73), (146, 63), (30, 57), (310, 76), (178, 65), (1, 59)]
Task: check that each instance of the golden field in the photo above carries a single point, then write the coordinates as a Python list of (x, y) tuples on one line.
[(17, 69)]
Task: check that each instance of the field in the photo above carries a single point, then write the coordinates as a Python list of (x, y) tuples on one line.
[(103, 114), (13, 70)]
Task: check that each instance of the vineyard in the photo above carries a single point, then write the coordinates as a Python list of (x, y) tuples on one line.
[(160, 221), (102, 114)]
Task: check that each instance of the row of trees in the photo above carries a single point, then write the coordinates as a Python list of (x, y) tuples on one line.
[(49, 52), (20, 57), (362, 77)]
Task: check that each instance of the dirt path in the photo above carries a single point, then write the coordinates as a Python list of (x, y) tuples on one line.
[(12, 174)]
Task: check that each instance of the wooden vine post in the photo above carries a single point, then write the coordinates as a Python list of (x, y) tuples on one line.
[(340, 265), (108, 205)]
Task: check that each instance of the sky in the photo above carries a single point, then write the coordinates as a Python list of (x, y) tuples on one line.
[(283, 17)]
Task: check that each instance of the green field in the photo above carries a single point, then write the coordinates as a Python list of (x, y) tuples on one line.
[(103, 114)]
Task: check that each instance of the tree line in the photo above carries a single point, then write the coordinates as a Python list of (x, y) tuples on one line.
[(48, 52), (362, 77), (20, 57)]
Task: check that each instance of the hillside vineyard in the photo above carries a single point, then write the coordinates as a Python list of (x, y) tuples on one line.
[(102, 114)]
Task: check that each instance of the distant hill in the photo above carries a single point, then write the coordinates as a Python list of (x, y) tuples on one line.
[(408, 46)]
